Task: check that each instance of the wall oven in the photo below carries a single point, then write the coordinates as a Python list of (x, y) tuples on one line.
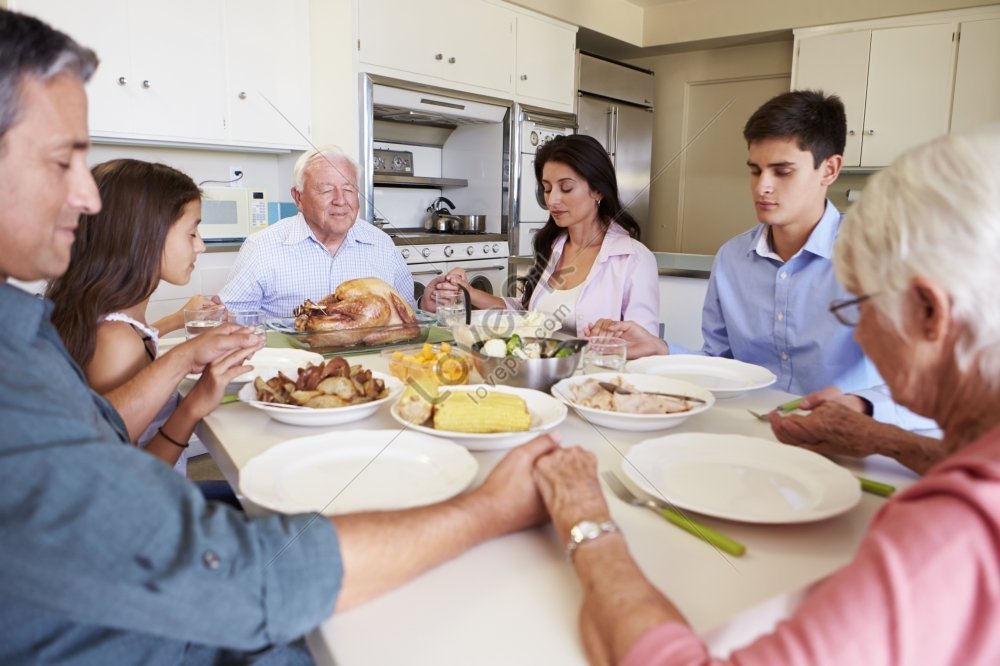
[(535, 128)]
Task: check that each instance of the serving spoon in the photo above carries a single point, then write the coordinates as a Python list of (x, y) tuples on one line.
[(615, 388)]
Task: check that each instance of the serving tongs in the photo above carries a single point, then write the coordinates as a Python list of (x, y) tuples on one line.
[(621, 390)]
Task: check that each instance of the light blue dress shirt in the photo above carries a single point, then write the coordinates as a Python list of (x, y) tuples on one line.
[(107, 556), (279, 268), (762, 310)]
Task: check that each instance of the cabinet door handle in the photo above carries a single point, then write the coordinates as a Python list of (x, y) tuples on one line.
[(145, 83), (451, 60), (242, 95), (438, 56), (122, 81), (850, 132), (870, 132), (524, 77)]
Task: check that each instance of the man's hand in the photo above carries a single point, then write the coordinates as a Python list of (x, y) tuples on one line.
[(443, 283), (567, 481), (834, 394), (512, 498), (640, 341), (216, 343)]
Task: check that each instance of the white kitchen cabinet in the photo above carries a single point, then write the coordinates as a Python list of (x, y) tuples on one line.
[(161, 72), (268, 88), (977, 76), (465, 42), (545, 63), (896, 84)]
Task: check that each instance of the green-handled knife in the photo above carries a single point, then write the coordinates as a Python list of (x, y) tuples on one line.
[(876, 487), (703, 532)]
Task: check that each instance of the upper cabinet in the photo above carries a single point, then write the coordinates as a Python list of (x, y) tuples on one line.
[(165, 78), (474, 46), (466, 42), (977, 76), (905, 80), (895, 84), (545, 63), (268, 88)]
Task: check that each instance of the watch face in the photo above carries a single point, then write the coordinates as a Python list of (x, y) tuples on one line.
[(584, 530)]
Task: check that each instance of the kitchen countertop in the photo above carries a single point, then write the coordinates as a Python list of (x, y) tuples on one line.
[(676, 264)]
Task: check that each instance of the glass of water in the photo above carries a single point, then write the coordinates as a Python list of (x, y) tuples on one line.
[(604, 354), (253, 318), (450, 307), (199, 320)]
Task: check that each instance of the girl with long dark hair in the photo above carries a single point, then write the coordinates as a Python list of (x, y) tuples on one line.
[(588, 261), (146, 231)]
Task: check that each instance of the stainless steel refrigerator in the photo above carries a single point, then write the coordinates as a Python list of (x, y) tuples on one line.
[(615, 106)]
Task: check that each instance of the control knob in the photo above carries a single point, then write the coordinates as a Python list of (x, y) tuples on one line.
[(486, 249), (448, 250), (496, 248), (426, 252), (405, 253), (470, 250)]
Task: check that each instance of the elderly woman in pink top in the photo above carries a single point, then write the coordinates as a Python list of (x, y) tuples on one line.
[(919, 254), (589, 263)]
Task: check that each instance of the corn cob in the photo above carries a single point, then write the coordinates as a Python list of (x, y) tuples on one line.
[(473, 412)]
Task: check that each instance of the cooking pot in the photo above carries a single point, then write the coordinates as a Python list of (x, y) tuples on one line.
[(468, 224)]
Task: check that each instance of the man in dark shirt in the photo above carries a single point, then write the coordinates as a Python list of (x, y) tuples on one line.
[(108, 556)]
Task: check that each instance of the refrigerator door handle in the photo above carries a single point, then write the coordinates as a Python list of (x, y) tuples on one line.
[(613, 139)]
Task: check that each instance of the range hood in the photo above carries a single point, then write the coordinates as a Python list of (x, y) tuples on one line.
[(414, 107)]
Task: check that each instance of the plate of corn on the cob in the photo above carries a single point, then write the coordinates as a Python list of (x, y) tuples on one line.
[(480, 417)]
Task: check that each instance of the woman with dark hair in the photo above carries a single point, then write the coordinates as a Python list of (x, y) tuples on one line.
[(589, 263), (146, 231)]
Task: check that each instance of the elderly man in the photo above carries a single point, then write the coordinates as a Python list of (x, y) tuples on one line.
[(108, 556), (916, 255), (308, 255)]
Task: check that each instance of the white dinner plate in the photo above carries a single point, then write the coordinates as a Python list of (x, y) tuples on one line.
[(361, 470), (312, 416), (741, 478), (635, 422), (725, 377), (546, 413), (268, 361)]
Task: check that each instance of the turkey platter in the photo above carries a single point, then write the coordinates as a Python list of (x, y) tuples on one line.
[(361, 311)]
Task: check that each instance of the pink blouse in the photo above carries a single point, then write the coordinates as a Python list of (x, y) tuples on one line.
[(622, 284), (924, 587)]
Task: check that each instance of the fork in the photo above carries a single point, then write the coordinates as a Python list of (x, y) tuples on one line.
[(703, 532), (790, 406)]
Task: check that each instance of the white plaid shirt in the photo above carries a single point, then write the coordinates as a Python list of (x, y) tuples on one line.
[(282, 266)]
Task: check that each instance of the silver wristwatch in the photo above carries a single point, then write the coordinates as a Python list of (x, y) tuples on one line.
[(587, 530)]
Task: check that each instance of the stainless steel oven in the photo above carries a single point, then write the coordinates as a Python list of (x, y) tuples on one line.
[(535, 128)]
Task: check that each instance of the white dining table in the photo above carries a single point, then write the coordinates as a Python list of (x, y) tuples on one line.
[(515, 599)]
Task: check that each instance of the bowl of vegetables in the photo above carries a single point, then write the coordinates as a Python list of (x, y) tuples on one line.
[(535, 363)]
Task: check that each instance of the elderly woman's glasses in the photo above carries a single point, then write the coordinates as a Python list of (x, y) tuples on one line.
[(848, 311)]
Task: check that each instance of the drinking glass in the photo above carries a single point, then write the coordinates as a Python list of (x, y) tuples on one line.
[(200, 320), (450, 307), (254, 318), (604, 354)]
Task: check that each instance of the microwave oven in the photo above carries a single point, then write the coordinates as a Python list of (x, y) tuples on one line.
[(232, 213)]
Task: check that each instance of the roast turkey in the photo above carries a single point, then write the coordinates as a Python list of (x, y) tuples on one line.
[(361, 311)]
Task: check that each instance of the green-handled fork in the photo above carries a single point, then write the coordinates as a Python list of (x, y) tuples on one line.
[(703, 532)]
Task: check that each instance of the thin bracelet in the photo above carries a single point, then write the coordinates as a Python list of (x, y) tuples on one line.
[(171, 439)]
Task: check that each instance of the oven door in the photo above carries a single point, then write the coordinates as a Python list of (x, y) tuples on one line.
[(422, 275), (489, 275), (531, 209)]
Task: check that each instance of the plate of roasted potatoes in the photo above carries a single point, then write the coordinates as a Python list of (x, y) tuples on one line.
[(323, 394)]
